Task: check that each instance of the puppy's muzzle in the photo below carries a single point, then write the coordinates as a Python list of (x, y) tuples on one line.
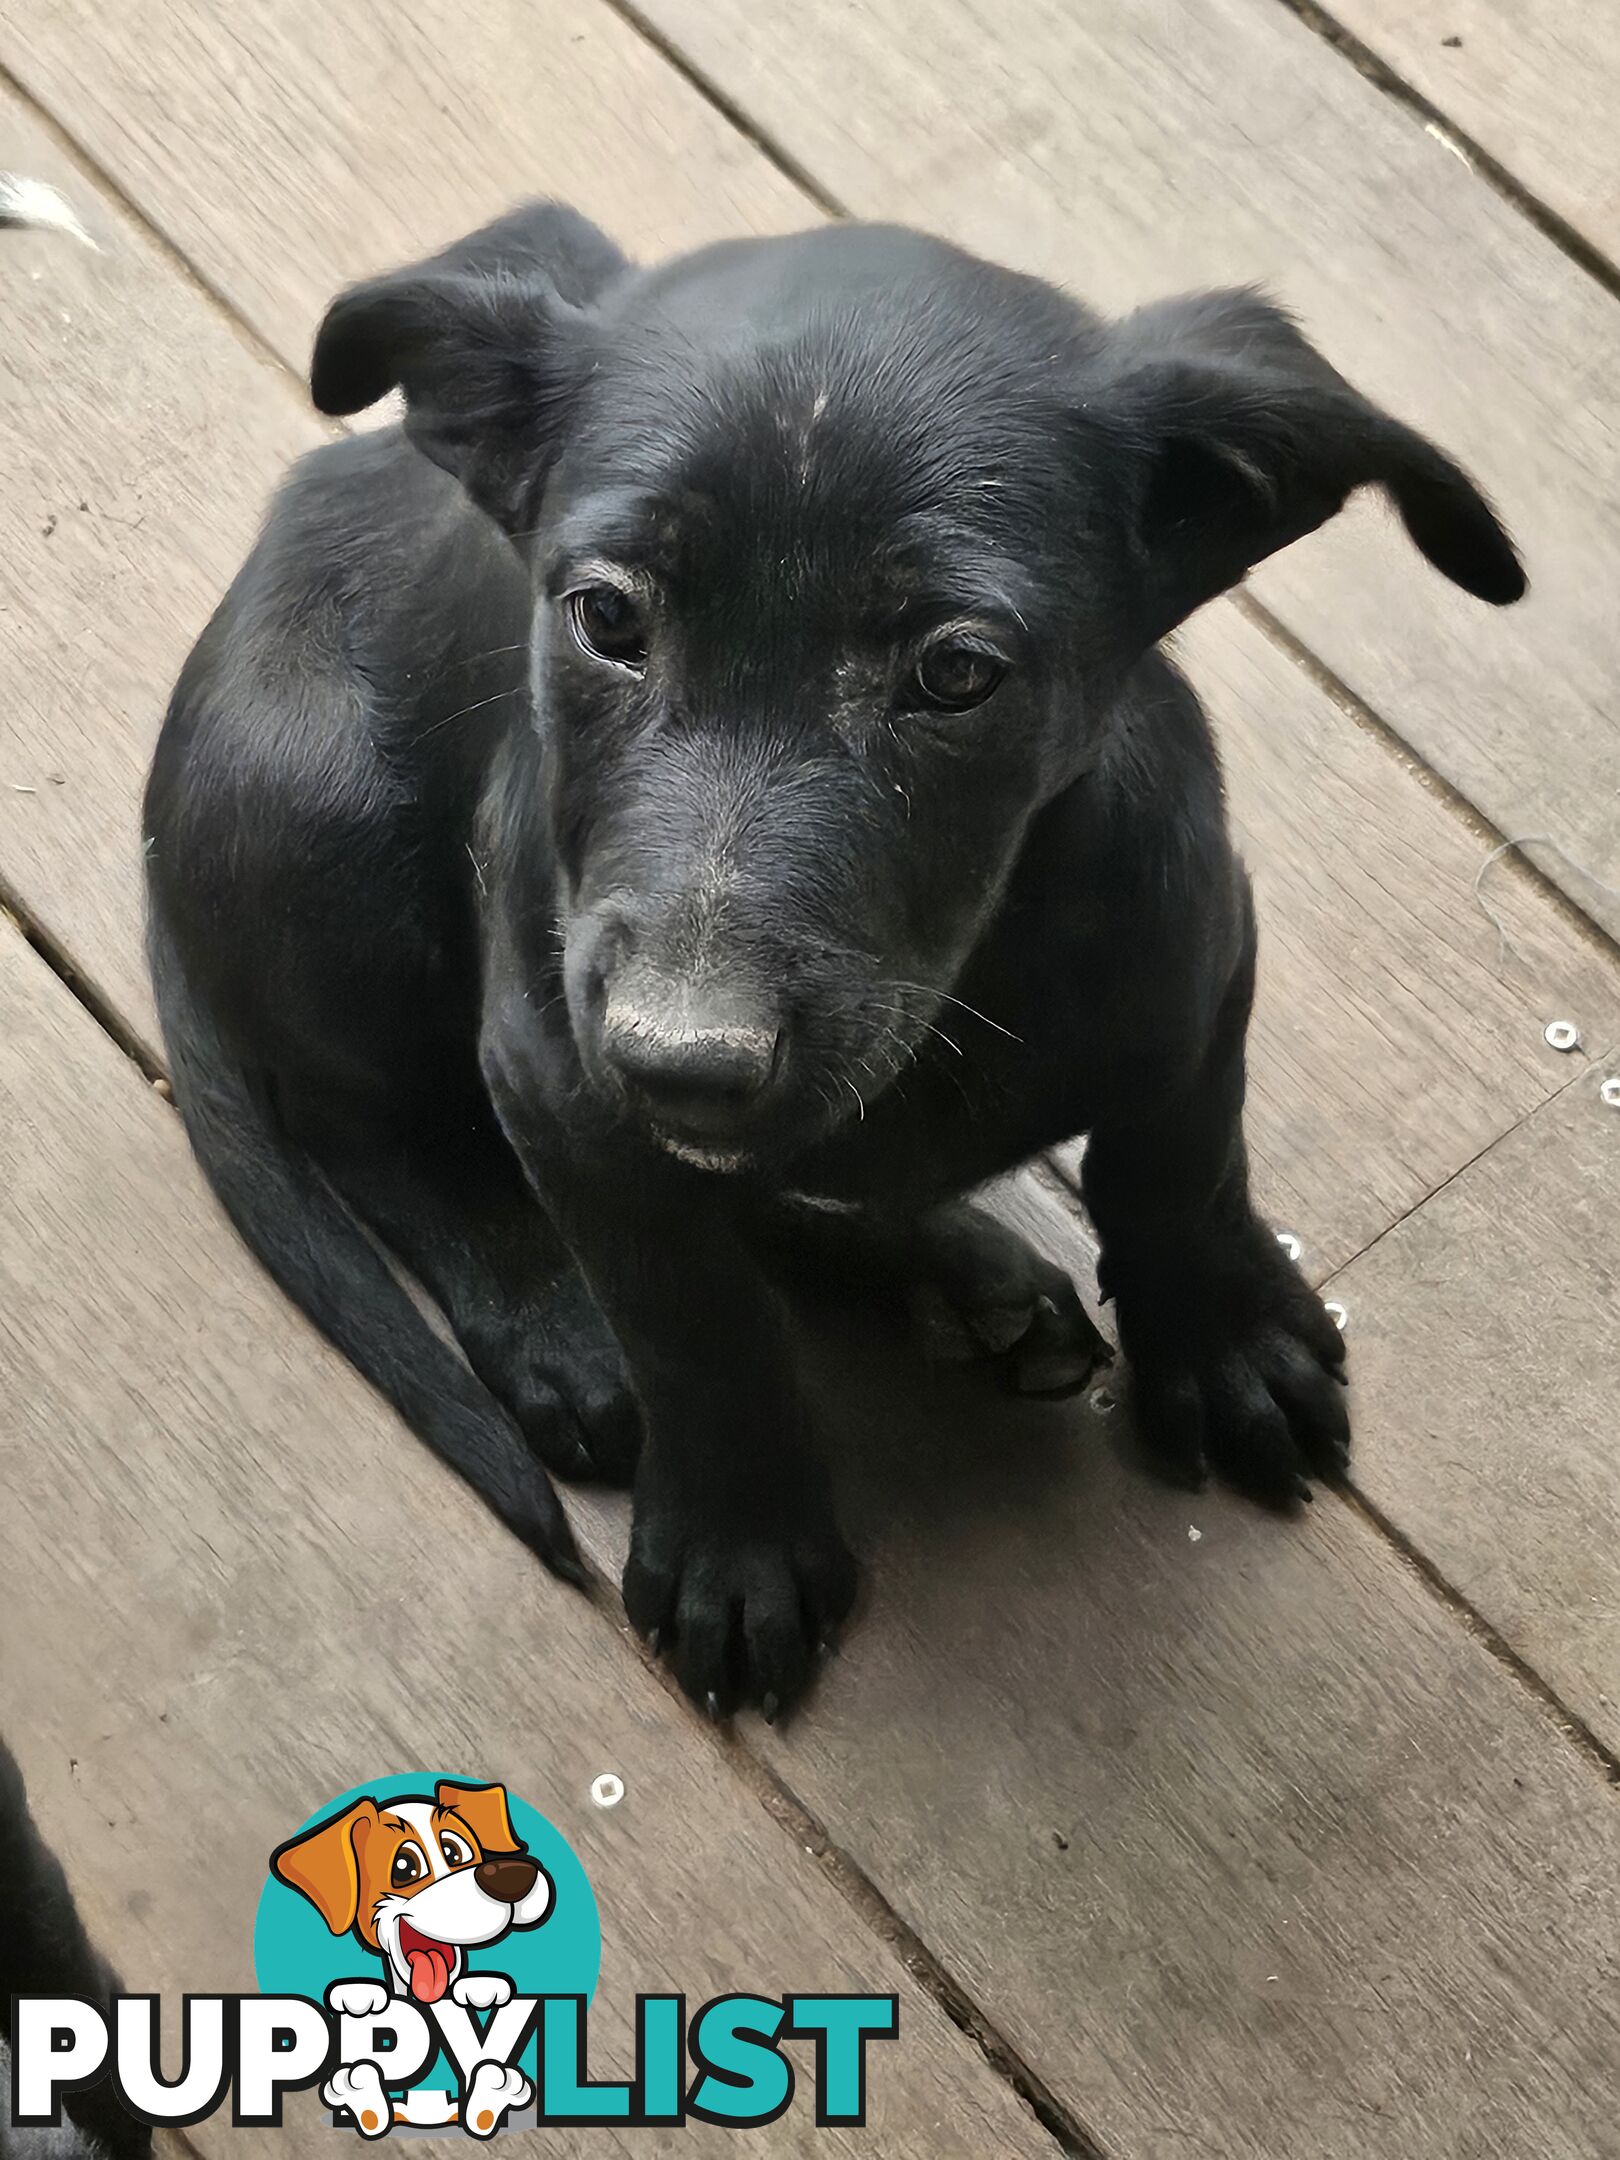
[(507, 1877), (697, 1063)]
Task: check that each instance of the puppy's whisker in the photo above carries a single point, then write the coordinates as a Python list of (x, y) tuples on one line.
[(468, 660), (513, 690), (948, 998), (928, 1026)]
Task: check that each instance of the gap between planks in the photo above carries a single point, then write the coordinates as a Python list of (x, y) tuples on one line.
[(856, 1888), (108, 184), (1571, 1725), (34, 934), (1437, 122), (1515, 860)]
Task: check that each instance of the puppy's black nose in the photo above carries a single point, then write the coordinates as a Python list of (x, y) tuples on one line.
[(697, 1066), (508, 1877)]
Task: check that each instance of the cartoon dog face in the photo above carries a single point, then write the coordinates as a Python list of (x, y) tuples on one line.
[(420, 1881)]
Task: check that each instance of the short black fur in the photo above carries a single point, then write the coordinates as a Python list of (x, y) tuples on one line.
[(703, 797)]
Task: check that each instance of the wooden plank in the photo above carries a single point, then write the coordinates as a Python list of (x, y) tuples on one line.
[(1396, 1034), (138, 437), (1487, 1361), (289, 147), (214, 1564), (1536, 83), (1135, 151), (1250, 1846)]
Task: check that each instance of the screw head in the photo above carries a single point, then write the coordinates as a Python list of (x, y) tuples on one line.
[(1290, 1244), (1561, 1035), (1609, 1092), (1337, 1314), (607, 1790)]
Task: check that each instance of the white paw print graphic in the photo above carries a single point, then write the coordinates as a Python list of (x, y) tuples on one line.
[(494, 2089), (359, 2088), (482, 1991)]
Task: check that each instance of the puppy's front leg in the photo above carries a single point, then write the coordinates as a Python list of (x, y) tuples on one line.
[(1237, 1365), (736, 1564), (737, 1569)]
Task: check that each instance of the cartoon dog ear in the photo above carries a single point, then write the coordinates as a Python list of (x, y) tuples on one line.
[(484, 1810), (484, 341), (1241, 438), (323, 1864)]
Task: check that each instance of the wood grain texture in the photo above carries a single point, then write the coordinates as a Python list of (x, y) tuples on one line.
[(139, 438), (1131, 151), (286, 147), (1252, 1848), (231, 1586), (1486, 1347), (1536, 83), (1396, 1032)]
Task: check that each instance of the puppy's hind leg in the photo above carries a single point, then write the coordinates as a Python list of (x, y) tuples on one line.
[(458, 1213), (975, 1289)]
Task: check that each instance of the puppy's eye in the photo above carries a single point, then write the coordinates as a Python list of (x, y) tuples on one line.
[(956, 674), (455, 1853), (409, 1866), (608, 624)]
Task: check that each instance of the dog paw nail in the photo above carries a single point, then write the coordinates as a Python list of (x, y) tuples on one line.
[(714, 1706), (770, 1709), (655, 1640)]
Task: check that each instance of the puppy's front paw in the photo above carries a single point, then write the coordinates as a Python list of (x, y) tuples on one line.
[(1238, 1367), (740, 1607), (559, 1370), (481, 1991), (493, 2091)]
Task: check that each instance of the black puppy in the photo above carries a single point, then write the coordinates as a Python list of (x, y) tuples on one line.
[(44, 1951), (707, 791)]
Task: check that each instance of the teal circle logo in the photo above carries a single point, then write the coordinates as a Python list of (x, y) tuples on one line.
[(419, 1883)]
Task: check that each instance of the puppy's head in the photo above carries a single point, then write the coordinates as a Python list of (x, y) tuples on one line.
[(420, 1880), (841, 547)]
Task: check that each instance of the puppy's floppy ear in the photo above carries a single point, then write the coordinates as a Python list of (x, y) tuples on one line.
[(486, 342), (324, 1864), (1239, 438), (484, 1810)]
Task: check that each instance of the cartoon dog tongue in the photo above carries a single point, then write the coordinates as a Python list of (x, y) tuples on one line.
[(430, 1969)]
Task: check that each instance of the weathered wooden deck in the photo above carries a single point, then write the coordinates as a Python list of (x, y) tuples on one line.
[(1291, 1841)]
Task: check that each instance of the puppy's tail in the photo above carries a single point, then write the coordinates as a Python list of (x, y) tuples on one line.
[(302, 1232)]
